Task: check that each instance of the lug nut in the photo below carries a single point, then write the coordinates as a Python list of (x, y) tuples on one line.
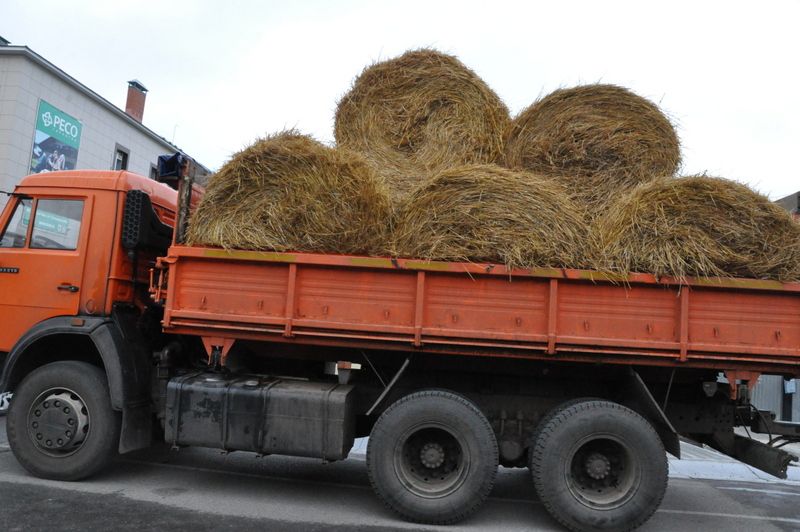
[(70, 421), (39, 436), (35, 425), (37, 413), (66, 410), (46, 404), (60, 441), (69, 434), (57, 403), (49, 443)]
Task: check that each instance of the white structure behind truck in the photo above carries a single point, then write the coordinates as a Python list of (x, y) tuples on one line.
[(97, 134)]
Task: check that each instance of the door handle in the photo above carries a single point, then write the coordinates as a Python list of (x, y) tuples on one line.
[(68, 287)]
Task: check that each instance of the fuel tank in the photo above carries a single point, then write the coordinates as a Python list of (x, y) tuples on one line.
[(261, 414)]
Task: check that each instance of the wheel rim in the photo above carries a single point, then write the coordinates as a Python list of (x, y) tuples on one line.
[(58, 422), (602, 472), (431, 460)]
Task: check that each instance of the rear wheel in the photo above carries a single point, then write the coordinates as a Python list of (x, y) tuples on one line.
[(432, 457), (60, 424), (598, 465)]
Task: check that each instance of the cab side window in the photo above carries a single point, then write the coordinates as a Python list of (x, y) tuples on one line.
[(16, 232), (57, 224)]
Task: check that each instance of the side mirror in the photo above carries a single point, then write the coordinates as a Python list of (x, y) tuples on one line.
[(141, 227)]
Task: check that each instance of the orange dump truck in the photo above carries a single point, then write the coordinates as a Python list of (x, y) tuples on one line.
[(116, 334)]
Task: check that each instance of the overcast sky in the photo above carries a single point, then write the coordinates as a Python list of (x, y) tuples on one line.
[(222, 73)]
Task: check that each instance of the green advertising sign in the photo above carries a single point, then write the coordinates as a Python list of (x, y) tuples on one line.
[(58, 124), (56, 140)]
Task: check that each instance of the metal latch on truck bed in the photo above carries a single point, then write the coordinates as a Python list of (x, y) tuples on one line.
[(158, 279)]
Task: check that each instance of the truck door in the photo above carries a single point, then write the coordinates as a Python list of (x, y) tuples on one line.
[(42, 253)]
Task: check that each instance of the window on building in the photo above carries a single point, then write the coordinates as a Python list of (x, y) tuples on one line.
[(153, 172), (16, 232), (120, 158), (57, 224)]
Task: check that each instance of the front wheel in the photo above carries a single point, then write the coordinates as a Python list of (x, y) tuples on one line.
[(598, 465), (60, 424), (432, 457)]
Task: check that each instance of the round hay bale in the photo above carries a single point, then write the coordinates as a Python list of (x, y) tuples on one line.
[(598, 139), (700, 226), (485, 213), (290, 192), (420, 113)]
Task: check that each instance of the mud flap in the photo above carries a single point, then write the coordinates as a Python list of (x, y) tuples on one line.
[(137, 429), (762, 456), (645, 404)]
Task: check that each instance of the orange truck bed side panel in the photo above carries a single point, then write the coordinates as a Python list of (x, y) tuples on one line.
[(550, 314)]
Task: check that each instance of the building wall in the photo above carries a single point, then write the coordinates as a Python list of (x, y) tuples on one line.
[(768, 394), (22, 83), (796, 406), (790, 203)]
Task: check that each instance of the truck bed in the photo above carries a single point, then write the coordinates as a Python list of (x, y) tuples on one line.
[(480, 309)]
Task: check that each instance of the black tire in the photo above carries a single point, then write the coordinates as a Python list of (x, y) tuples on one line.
[(79, 432), (432, 457), (546, 419), (598, 465)]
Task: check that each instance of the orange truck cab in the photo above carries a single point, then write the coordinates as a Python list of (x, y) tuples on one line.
[(116, 333), (68, 286)]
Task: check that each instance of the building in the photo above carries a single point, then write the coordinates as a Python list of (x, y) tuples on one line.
[(49, 121), (792, 204)]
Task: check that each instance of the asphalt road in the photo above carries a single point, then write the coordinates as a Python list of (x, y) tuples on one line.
[(200, 489)]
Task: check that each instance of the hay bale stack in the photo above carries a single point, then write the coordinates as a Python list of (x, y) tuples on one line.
[(418, 114), (289, 192), (485, 213), (600, 140), (700, 226)]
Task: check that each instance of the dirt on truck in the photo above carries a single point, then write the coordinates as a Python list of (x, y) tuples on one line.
[(117, 335)]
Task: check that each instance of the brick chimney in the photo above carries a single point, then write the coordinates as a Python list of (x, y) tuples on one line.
[(135, 104)]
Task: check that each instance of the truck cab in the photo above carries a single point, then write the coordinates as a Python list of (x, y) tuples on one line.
[(60, 249), (69, 284)]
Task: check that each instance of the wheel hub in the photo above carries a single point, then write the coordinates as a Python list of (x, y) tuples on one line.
[(58, 422), (430, 461), (597, 466), (432, 455)]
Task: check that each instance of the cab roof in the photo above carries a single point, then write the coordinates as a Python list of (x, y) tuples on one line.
[(103, 180)]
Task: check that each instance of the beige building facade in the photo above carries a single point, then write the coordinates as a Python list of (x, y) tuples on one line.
[(50, 121)]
